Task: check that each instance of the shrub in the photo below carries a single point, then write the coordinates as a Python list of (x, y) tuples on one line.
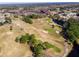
[(27, 20), (8, 20), (37, 46), (47, 45), (23, 39), (72, 30)]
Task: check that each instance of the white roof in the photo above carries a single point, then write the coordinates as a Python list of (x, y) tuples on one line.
[(2, 20)]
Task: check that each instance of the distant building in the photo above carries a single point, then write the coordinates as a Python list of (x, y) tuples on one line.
[(2, 20)]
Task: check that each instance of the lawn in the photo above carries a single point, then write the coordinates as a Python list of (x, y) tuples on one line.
[(49, 20), (48, 45)]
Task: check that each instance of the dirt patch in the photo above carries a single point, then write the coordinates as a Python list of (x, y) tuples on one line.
[(8, 46)]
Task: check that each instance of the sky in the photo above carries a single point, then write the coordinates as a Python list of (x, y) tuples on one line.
[(33, 1)]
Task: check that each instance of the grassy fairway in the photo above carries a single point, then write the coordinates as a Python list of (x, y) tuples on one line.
[(50, 30), (42, 31), (48, 45)]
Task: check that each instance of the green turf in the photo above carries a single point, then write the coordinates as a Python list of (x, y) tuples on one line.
[(48, 45)]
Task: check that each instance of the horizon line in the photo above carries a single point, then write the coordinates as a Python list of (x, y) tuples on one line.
[(33, 2)]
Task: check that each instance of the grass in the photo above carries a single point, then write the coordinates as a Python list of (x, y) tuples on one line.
[(53, 33), (77, 41), (49, 20), (48, 45), (50, 30), (56, 48), (58, 27)]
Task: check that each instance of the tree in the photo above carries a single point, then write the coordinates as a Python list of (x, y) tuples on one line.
[(8, 20), (72, 29), (55, 16), (23, 38), (37, 46), (16, 16), (27, 19), (38, 50)]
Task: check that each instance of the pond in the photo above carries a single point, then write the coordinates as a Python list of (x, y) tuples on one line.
[(75, 51), (59, 22)]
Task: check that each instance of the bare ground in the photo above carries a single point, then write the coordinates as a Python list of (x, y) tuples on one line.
[(8, 46)]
